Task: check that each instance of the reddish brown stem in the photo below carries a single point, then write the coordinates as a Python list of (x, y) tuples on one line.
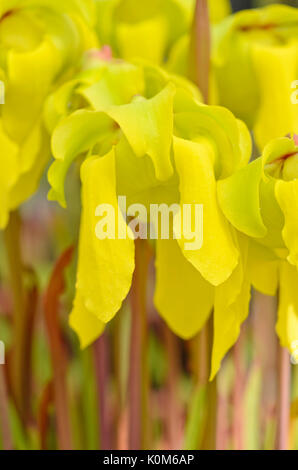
[(222, 422), (200, 48), (209, 441), (101, 370), (120, 419), (17, 364), (43, 415), (172, 404), (4, 420), (264, 309), (58, 357), (204, 349), (30, 315)]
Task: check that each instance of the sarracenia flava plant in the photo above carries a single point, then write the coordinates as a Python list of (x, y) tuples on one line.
[(255, 58), (261, 201), (149, 29), (145, 135), (40, 43)]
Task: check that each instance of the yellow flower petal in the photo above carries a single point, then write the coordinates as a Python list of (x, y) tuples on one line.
[(218, 256), (276, 69), (239, 198), (229, 137), (33, 157), (287, 324), (28, 80), (262, 268), (119, 84), (146, 39), (105, 266), (287, 196), (219, 9), (148, 127), (182, 296), (74, 135), (8, 174), (87, 326), (231, 308)]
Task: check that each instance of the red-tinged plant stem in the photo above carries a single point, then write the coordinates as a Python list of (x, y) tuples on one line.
[(43, 414), (101, 369), (203, 355), (283, 408), (120, 405), (204, 350), (122, 431), (138, 374), (17, 369), (237, 394), (209, 441), (30, 315), (222, 422), (51, 307), (4, 414), (200, 48), (264, 310), (172, 412)]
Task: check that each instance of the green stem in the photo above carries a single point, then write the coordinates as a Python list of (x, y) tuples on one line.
[(139, 376)]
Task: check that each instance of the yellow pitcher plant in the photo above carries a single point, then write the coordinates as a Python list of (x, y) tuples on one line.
[(261, 201), (41, 42), (255, 58), (143, 134), (150, 29)]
